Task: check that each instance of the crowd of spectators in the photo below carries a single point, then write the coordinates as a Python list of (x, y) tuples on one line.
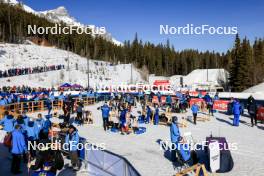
[(25, 71)]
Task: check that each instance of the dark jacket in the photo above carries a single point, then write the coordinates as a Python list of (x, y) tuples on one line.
[(52, 158)]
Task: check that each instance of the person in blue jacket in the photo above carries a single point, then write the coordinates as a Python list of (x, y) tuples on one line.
[(80, 95), (52, 97), (39, 123), (178, 94), (61, 97), (2, 102), (8, 122), (175, 137), (236, 112), (207, 98), (25, 117), (148, 114), (9, 100), (18, 99), (31, 131), (31, 135), (156, 115), (6, 99), (210, 106), (183, 103), (123, 119), (168, 100), (200, 95), (72, 139), (216, 97), (20, 121), (18, 148), (47, 125), (195, 109), (105, 114), (49, 105)]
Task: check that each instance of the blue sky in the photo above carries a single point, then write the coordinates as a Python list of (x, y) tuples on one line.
[(124, 18)]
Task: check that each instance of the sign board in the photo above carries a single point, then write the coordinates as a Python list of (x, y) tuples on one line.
[(260, 113), (214, 156), (221, 105)]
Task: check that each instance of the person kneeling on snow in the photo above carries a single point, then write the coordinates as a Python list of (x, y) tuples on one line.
[(72, 139), (48, 161), (236, 112)]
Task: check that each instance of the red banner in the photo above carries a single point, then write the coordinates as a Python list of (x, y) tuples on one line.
[(198, 101), (195, 93), (221, 105), (260, 114)]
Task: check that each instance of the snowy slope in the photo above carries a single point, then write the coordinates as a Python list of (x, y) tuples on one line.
[(58, 15), (30, 55), (61, 14), (198, 76), (255, 89), (25, 7)]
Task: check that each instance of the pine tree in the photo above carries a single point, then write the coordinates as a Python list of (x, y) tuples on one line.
[(235, 54)]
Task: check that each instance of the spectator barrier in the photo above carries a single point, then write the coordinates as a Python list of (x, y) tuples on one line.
[(38, 106)]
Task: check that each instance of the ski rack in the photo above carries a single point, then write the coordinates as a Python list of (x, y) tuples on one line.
[(196, 169)]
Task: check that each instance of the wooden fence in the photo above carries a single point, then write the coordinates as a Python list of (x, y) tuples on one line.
[(38, 106)]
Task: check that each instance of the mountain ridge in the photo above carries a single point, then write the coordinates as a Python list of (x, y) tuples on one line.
[(61, 14)]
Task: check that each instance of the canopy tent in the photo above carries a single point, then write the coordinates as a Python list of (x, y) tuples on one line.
[(65, 85), (76, 86)]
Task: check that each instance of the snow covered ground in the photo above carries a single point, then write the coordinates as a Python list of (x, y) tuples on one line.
[(30, 55), (145, 155)]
